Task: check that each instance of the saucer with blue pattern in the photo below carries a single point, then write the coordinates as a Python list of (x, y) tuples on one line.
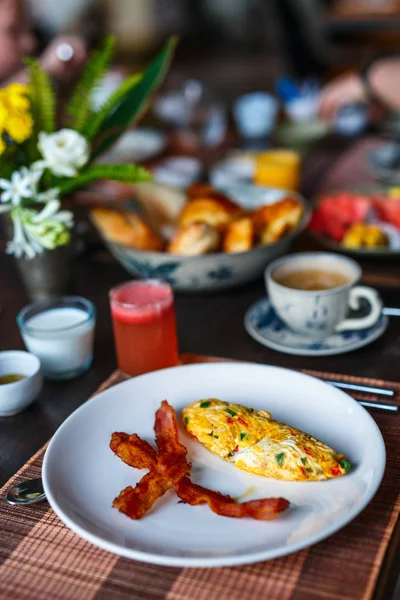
[(265, 326)]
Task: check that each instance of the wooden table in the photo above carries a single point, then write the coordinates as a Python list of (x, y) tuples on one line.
[(207, 324)]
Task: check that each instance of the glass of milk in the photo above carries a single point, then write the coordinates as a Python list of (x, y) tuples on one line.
[(60, 333)]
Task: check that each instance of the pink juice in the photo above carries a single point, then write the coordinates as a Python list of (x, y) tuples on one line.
[(144, 324)]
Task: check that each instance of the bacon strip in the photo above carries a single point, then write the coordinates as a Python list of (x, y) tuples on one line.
[(133, 451), (170, 468), (166, 430), (136, 502), (265, 509), (166, 469)]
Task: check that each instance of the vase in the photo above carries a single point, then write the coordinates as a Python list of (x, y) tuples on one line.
[(49, 274)]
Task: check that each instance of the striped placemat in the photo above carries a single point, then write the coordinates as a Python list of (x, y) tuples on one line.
[(42, 559)]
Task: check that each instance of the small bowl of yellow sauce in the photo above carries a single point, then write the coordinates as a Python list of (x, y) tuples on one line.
[(21, 381)]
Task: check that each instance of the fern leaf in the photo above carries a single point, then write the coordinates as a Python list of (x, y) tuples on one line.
[(43, 105), (127, 173), (93, 126), (79, 105)]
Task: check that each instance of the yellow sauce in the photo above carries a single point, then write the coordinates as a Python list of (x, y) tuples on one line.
[(11, 378)]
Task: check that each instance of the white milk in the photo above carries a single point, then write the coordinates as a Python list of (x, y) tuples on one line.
[(59, 341)]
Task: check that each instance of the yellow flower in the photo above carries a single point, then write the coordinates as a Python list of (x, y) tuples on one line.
[(15, 116), (17, 96), (3, 115), (19, 126)]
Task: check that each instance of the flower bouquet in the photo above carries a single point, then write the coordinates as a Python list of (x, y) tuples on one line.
[(40, 162)]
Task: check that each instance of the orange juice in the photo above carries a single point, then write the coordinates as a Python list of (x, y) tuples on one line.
[(278, 168)]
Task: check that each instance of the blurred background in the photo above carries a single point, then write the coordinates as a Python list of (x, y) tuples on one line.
[(234, 46)]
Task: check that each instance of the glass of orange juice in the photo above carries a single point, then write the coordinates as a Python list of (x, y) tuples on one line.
[(144, 323), (278, 168)]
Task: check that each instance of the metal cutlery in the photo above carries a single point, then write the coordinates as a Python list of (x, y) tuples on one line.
[(27, 492), (378, 405), (355, 387), (391, 312), (367, 389)]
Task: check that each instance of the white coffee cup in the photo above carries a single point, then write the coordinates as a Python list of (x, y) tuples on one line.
[(319, 313)]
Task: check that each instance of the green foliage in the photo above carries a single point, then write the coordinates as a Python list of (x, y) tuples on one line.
[(43, 103), (97, 120), (128, 173), (135, 102), (78, 107), (7, 167)]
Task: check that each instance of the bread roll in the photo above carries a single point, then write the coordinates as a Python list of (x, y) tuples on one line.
[(272, 222), (161, 205), (216, 213), (125, 228), (194, 239), (239, 236)]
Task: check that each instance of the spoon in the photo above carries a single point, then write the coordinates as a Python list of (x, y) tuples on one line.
[(29, 491)]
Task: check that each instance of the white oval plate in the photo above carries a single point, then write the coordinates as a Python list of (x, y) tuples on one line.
[(82, 476)]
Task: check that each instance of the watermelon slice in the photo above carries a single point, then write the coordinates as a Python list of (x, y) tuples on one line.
[(335, 214), (388, 210)]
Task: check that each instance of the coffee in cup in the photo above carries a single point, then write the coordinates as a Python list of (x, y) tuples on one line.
[(312, 293)]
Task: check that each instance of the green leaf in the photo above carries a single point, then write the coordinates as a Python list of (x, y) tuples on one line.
[(303, 460), (243, 434), (78, 107), (231, 412), (128, 173), (308, 436), (43, 104), (186, 420), (250, 410), (205, 404), (97, 119), (346, 464), (280, 458), (135, 102), (7, 167)]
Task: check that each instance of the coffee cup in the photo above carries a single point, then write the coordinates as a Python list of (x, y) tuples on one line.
[(312, 292)]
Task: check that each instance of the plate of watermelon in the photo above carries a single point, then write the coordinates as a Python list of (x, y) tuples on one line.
[(359, 222)]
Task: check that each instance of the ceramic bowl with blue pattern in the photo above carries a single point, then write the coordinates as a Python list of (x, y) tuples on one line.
[(219, 271)]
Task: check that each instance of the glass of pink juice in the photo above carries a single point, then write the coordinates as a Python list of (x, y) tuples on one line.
[(144, 322)]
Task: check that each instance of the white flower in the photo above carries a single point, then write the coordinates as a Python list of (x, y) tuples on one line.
[(64, 152), (66, 217), (48, 195), (35, 231), (22, 243), (33, 175), (47, 212), (20, 186)]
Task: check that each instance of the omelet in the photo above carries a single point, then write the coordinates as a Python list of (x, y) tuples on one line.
[(254, 442)]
